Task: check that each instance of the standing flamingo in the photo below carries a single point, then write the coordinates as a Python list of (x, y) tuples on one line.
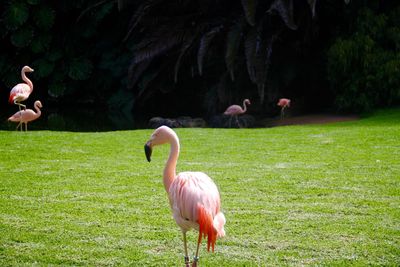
[(21, 91), (283, 103), (193, 196), (236, 110), (27, 115)]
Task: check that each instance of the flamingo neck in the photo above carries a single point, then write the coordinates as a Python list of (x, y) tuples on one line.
[(25, 79), (38, 111), (244, 106), (170, 167)]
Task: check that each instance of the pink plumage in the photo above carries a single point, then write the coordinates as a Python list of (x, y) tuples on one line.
[(195, 202), (284, 102), (21, 91), (236, 109), (193, 196), (27, 115)]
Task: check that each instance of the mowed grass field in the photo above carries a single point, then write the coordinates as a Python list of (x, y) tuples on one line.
[(315, 195)]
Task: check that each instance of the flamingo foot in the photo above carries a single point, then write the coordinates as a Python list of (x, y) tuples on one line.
[(195, 261), (187, 261)]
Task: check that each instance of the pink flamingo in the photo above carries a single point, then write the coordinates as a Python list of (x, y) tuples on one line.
[(27, 115), (193, 196), (283, 103), (236, 110), (21, 91)]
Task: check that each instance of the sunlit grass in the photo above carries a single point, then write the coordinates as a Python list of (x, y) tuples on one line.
[(296, 195)]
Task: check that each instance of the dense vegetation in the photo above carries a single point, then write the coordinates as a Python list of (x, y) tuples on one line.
[(364, 63), (200, 56)]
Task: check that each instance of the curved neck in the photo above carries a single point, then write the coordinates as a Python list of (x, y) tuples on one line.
[(38, 112), (170, 167), (25, 79), (244, 106)]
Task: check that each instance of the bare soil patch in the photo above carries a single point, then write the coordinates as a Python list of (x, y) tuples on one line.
[(307, 119)]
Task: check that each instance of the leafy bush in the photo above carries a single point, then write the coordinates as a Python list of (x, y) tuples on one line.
[(73, 46), (364, 67)]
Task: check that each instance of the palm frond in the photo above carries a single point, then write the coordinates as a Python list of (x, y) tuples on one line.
[(262, 64), (250, 46), (204, 44), (312, 4), (83, 13), (123, 4), (186, 45), (250, 8), (135, 72), (158, 42), (138, 15), (285, 11), (232, 46)]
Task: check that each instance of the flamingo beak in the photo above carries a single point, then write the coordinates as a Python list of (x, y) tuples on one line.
[(147, 151)]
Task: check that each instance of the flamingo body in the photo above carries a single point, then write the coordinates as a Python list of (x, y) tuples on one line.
[(284, 102), (21, 91), (235, 110), (195, 203), (27, 115), (193, 196)]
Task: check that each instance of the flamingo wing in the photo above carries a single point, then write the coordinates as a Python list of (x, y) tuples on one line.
[(195, 202), (23, 115), (233, 110), (19, 92)]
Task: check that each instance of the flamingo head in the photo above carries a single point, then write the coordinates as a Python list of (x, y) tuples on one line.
[(247, 102), (160, 136), (27, 69), (38, 104)]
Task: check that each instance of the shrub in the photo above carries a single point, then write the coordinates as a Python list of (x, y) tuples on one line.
[(364, 67)]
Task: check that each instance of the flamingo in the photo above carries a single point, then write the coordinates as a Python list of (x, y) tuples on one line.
[(193, 196), (21, 91), (283, 103), (236, 110), (27, 115)]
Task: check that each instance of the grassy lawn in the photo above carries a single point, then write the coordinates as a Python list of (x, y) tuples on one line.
[(292, 196)]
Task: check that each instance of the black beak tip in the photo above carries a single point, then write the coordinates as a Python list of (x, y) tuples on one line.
[(147, 151)]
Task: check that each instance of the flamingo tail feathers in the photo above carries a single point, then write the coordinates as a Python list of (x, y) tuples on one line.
[(209, 227), (11, 98)]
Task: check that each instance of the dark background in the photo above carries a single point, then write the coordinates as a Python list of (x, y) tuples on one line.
[(106, 65)]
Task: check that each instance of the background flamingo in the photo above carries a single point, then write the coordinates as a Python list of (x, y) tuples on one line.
[(27, 115), (193, 196), (21, 91), (236, 110), (283, 103)]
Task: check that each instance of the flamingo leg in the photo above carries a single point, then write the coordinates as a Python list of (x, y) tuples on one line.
[(18, 126), (237, 121), (187, 259), (282, 113), (196, 257), (26, 126), (19, 105)]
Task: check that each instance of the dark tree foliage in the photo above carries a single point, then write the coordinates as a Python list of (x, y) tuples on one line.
[(219, 51), (364, 61), (166, 58), (75, 48)]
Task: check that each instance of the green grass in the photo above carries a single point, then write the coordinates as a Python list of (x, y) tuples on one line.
[(318, 195)]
